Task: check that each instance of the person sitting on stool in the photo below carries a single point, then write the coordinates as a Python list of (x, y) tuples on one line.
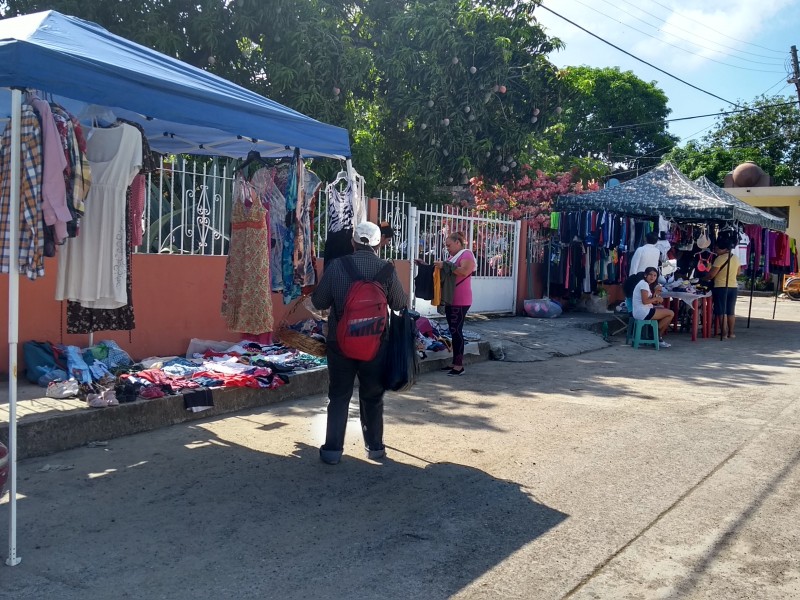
[(647, 304)]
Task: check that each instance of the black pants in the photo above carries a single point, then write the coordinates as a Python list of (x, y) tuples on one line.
[(455, 319), (342, 372)]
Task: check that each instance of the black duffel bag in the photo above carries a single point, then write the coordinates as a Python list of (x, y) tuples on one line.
[(402, 358)]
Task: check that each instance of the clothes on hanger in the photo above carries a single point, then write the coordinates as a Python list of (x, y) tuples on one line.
[(92, 267), (246, 292), (31, 233)]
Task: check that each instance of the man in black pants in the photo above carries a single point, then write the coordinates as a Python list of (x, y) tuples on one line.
[(332, 293)]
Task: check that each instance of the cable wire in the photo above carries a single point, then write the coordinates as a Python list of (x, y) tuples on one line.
[(716, 114), (693, 33), (765, 92), (719, 62), (691, 85), (675, 12)]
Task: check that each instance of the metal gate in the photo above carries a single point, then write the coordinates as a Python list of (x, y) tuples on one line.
[(493, 240)]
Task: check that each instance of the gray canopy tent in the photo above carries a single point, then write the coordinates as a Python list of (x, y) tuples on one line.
[(667, 192), (182, 109)]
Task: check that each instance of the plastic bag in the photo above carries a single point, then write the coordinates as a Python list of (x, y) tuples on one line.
[(542, 308), (402, 359)]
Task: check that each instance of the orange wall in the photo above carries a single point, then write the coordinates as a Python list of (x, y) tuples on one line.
[(175, 298)]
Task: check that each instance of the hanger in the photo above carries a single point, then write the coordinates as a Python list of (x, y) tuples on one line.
[(254, 156)]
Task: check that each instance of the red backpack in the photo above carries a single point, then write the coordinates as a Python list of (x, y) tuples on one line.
[(359, 331)]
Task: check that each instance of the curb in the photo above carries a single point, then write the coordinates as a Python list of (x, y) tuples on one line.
[(41, 436)]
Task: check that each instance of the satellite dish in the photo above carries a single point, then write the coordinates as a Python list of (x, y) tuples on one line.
[(612, 183)]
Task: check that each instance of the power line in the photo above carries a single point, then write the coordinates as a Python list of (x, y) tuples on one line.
[(719, 62), (765, 92), (673, 11), (662, 121), (637, 58), (693, 33)]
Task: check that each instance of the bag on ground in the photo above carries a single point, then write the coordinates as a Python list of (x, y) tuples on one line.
[(360, 329), (41, 357), (402, 359)]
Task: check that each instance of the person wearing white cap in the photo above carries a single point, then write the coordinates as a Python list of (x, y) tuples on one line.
[(331, 293)]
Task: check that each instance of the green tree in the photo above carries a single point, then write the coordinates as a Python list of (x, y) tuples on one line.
[(433, 92), (766, 131), (598, 103)]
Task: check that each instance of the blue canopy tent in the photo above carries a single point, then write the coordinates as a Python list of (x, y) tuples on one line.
[(182, 109)]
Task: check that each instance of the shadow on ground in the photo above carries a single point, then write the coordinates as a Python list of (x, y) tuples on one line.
[(198, 516)]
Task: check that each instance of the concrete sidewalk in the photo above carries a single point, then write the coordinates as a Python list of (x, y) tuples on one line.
[(47, 425), (621, 474)]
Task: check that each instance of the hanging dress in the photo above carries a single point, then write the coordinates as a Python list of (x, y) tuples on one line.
[(246, 295), (93, 267)]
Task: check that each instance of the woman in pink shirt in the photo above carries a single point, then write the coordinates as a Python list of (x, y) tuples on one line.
[(462, 296)]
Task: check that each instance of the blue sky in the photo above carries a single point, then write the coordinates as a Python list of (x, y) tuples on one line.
[(689, 39)]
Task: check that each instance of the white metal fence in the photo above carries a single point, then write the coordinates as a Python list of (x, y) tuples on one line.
[(394, 209), (187, 212), (493, 240), (187, 208)]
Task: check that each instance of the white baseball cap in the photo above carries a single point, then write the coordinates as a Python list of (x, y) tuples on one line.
[(367, 233)]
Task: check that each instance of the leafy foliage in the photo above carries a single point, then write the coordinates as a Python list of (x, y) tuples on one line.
[(433, 92), (528, 197), (767, 133), (598, 101)]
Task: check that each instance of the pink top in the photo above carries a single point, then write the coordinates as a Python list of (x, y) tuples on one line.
[(137, 209), (462, 296), (54, 191)]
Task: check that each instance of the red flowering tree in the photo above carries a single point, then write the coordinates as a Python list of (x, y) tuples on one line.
[(527, 198)]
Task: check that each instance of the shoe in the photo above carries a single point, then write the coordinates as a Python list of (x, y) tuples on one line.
[(454, 373), (110, 397), (376, 454), (663, 344), (330, 457), (96, 400)]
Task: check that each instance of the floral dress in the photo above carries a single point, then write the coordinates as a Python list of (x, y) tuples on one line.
[(246, 296)]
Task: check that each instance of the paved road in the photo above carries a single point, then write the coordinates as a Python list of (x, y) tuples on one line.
[(610, 474)]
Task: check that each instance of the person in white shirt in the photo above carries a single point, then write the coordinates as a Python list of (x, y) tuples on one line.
[(647, 304), (663, 246), (645, 256)]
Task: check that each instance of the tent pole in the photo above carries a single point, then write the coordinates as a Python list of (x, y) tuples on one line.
[(752, 257), (778, 280), (13, 322)]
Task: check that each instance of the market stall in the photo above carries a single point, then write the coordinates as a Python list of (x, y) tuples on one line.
[(92, 74), (596, 234)]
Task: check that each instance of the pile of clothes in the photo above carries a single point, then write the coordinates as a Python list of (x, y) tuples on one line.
[(104, 375)]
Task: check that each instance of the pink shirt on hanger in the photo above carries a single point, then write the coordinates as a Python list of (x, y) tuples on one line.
[(54, 191)]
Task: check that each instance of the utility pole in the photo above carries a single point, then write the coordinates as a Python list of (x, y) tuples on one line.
[(795, 79)]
